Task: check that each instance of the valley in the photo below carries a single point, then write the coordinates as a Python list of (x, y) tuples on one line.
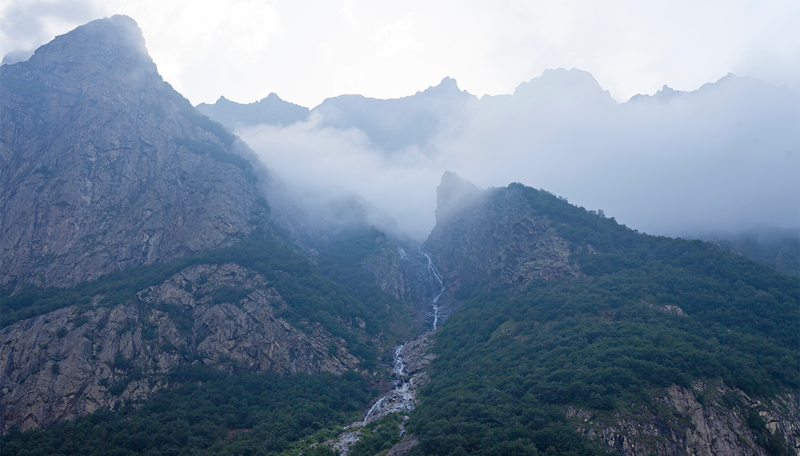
[(164, 291)]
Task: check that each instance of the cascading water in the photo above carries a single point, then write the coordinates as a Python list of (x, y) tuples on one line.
[(437, 278), (399, 398)]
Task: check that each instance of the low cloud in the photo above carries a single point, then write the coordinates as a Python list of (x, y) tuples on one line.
[(725, 157)]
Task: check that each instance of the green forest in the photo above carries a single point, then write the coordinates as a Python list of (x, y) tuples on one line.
[(651, 313), (211, 413), (507, 364), (311, 292)]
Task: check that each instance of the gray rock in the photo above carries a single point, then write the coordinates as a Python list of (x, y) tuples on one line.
[(108, 356), (493, 237), (683, 425), (104, 166)]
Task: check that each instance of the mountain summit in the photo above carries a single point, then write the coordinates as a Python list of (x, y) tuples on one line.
[(103, 165)]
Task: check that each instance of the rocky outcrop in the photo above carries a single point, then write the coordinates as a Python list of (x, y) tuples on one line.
[(708, 419), (387, 267), (493, 238), (73, 361), (104, 166)]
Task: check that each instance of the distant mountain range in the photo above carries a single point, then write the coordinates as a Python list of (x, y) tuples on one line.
[(724, 158)]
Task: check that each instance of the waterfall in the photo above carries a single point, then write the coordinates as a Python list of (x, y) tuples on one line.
[(398, 367), (434, 273), (400, 397)]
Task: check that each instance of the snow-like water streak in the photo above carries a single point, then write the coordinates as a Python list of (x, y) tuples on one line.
[(398, 367), (433, 272), (400, 397)]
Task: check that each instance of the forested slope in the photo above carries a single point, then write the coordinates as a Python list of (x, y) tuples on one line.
[(645, 314)]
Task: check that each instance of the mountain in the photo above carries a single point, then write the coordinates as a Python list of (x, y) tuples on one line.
[(555, 90), (394, 124), (574, 326), (254, 321), (138, 246), (268, 111), (662, 96), (776, 248), (104, 166), (390, 125)]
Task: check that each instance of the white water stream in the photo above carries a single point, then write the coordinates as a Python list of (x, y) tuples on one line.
[(433, 272), (399, 398)]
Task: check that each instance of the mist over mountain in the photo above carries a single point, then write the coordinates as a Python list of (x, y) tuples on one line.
[(162, 291), (268, 111), (723, 157)]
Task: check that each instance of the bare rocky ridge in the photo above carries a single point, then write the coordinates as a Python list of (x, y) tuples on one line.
[(104, 166), (492, 237), (66, 364)]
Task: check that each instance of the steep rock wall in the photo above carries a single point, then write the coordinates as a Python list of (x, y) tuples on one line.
[(70, 362), (706, 420), (104, 166), (491, 237)]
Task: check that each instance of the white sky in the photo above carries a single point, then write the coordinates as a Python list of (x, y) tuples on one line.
[(306, 51)]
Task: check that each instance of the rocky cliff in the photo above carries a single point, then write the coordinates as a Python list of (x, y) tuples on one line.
[(707, 419), (493, 238), (73, 361), (104, 166)]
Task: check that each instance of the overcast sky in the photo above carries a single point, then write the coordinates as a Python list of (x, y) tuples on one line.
[(307, 51)]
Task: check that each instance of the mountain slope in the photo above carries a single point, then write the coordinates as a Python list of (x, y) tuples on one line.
[(137, 243), (104, 166), (645, 344)]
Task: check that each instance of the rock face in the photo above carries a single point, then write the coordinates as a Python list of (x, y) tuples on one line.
[(698, 422), (493, 238), (104, 166), (68, 363)]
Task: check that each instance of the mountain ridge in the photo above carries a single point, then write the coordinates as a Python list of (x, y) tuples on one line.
[(250, 322)]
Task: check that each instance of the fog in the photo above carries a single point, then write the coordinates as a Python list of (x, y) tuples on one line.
[(725, 157)]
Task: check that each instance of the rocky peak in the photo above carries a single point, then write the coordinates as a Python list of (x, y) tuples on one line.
[(271, 110), (662, 96), (112, 45), (448, 88), (493, 238), (562, 87), (453, 194), (104, 166)]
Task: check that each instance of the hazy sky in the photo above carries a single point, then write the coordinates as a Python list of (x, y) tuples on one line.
[(307, 51)]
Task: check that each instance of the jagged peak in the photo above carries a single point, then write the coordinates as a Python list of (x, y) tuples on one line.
[(452, 194), (662, 96), (448, 87)]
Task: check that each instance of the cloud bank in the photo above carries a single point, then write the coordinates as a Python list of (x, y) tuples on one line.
[(723, 158), (245, 49)]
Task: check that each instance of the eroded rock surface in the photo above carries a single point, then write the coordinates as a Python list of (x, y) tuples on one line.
[(694, 422), (68, 363), (104, 166), (493, 237)]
